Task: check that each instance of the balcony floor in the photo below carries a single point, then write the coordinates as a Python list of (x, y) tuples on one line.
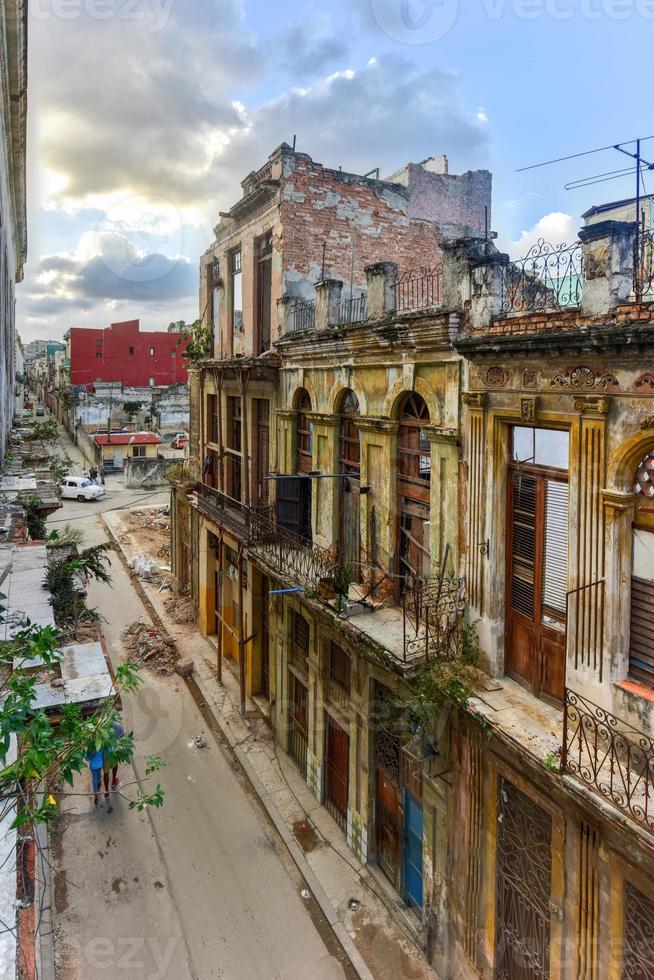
[(537, 727)]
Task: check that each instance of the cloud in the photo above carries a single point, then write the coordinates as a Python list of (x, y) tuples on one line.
[(115, 272), (305, 55), (554, 228)]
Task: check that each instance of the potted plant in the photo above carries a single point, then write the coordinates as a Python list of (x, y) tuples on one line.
[(342, 580)]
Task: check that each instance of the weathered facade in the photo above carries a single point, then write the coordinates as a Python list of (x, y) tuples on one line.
[(324, 435), (484, 422), (13, 217)]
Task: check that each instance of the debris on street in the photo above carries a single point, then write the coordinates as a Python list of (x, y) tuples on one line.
[(155, 650), (180, 609)]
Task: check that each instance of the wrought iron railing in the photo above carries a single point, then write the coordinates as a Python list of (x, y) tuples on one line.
[(431, 618), (419, 291), (548, 277), (644, 266), (353, 310), (290, 555), (301, 315), (610, 756)]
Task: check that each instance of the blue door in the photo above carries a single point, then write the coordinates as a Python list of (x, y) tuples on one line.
[(412, 851)]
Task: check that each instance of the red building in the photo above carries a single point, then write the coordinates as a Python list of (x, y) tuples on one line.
[(121, 352)]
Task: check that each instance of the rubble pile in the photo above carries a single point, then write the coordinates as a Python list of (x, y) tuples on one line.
[(151, 517), (180, 609), (153, 649), (143, 566)]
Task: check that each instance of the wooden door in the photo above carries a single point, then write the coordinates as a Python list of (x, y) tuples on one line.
[(414, 492), (265, 637), (412, 850), (260, 462), (523, 887), (264, 292), (388, 821), (349, 538), (337, 764), (294, 505), (298, 736), (537, 580)]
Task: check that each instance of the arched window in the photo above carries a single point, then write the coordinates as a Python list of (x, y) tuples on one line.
[(349, 452), (304, 433), (641, 647), (413, 491)]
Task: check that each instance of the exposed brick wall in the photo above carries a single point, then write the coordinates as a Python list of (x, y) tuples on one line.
[(322, 206), (629, 314)]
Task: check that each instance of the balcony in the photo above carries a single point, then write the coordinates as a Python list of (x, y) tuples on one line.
[(609, 756)]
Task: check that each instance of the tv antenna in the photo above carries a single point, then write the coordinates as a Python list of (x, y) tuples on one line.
[(641, 165)]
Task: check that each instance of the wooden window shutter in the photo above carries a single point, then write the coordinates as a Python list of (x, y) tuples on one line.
[(641, 651), (555, 547), (523, 539)]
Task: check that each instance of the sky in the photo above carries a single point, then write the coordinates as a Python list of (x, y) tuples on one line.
[(145, 115)]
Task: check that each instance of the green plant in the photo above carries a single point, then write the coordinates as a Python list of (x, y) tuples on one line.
[(449, 677), (552, 762), (67, 536), (67, 596), (45, 431), (36, 525), (59, 469), (46, 753), (131, 409), (200, 340), (342, 579)]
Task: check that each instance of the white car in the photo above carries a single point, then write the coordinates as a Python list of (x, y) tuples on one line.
[(81, 488)]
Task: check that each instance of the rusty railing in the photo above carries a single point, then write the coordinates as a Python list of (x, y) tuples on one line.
[(431, 617), (419, 291), (547, 277), (610, 756)]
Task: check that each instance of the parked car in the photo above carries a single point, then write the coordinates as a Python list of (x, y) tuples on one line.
[(40, 412), (81, 488), (179, 442)]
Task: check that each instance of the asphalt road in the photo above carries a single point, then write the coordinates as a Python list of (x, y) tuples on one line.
[(201, 888)]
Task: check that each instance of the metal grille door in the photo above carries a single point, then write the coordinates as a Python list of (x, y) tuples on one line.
[(298, 736), (523, 887)]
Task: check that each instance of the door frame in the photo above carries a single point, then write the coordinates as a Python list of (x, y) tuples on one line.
[(540, 473), (494, 771)]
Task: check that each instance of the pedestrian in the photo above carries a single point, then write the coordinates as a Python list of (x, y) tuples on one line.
[(110, 763), (93, 475), (95, 760), (101, 474)]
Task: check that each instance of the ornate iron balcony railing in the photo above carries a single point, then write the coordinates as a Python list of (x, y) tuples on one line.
[(610, 756), (353, 310), (431, 614), (644, 266), (547, 277), (419, 291), (291, 557), (301, 315)]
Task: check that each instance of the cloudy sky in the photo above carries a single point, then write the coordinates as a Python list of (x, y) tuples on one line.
[(146, 114)]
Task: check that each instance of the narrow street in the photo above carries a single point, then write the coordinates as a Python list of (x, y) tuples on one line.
[(185, 891)]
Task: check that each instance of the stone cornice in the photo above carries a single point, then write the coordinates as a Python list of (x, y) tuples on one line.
[(370, 424)]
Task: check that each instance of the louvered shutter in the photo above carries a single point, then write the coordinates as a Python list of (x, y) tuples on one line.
[(555, 547), (641, 652), (523, 537)]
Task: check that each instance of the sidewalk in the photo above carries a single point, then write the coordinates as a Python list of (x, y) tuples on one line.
[(353, 901)]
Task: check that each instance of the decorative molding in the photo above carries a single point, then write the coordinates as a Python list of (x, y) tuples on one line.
[(644, 383), (371, 424), (496, 377), (528, 408), (323, 418), (593, 406), (530, 379), (618, 500), (648, 423), (436, 434), (583, 378), (286, 414), (475, 399)]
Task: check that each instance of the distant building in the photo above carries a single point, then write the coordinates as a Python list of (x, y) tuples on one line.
[(113, 451), (13, 224), (122, 353)]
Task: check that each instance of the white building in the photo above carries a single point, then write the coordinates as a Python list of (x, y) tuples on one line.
[(13, 224)]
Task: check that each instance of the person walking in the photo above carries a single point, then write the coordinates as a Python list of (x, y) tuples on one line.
[(93, 475), (110, 763), (101, 474), (95, 760)]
